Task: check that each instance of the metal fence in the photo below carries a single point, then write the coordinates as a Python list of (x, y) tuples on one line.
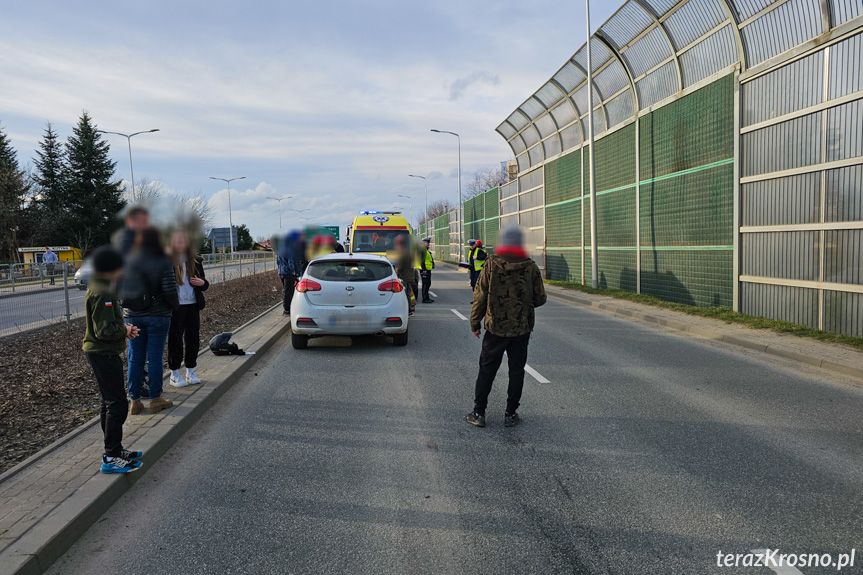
[(36, 295)]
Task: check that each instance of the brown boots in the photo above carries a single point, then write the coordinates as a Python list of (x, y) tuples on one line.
[(156, 405), (160, 403)]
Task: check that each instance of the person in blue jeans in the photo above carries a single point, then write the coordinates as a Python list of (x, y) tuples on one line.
[(149, 297)]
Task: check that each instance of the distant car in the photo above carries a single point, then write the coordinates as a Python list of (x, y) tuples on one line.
[(82, 276), (349, 294)]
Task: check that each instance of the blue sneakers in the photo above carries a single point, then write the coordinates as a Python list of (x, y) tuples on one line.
[(119, 465), (131, 455)]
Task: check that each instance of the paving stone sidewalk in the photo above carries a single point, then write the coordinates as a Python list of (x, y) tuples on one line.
[(834, 357), (36, 491)]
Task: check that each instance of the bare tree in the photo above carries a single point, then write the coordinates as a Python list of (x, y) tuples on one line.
[(483, 180), (83, 238), (437, 208)]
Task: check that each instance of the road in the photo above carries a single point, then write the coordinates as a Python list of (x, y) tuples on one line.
[(646, 452), (36, 308)]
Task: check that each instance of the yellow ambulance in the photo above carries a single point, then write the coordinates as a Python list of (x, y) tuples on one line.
[(375, 232)]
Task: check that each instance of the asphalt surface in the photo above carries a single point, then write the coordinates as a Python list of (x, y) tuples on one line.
[(646, 452), (36, 308)]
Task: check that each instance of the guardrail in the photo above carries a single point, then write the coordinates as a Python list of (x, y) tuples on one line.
[(35, 295)]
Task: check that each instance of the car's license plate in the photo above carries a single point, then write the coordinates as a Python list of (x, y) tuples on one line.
[(348, 320)]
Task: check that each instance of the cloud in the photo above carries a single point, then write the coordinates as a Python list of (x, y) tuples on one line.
[(459, 87), (305, 99)]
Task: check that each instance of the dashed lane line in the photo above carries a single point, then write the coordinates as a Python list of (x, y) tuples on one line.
[(433, 294), (535, 374), (460, 316), (779, 570)]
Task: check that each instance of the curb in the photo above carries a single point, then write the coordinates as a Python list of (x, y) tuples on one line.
[(711, 334), (12, 471), (52, 536)]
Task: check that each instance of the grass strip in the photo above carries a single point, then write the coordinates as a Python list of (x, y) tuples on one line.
[(721, 313)]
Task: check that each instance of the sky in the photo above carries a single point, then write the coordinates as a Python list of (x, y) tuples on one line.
[(330, 103)]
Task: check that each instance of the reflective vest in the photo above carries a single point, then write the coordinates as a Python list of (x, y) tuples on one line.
[(429, 261), (477, 264)]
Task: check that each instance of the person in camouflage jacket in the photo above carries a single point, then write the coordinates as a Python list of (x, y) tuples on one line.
[(508, 290)]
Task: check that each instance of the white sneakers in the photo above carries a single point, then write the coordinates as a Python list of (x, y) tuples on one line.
[(176, 380), (192, 377)]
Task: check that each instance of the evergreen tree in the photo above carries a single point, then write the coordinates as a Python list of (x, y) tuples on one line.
[(244, 238), (51, 205), (93, 199), (13, 191)]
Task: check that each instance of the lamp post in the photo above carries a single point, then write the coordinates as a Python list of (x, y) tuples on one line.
[(129, 141), (280, 208), (594, 282), (230, 216), (460, 222), (411, 204), (425, 181)]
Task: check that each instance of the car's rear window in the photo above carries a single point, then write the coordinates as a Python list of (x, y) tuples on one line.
[(350, 271)]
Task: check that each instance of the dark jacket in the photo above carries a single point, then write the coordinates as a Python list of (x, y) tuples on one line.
[(199, 290), (106, 331), (124, 240), (156, 272), (507, 291)]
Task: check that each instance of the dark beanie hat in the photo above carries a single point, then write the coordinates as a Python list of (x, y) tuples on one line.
[(106, 260)]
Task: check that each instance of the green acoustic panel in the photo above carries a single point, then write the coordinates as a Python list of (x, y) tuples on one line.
[(615, 159), (616, 269), (563, 225), (692, 277), (563, 265), (492, 204), (562, 178), (615, 218), (491, 231), (695, 130), (694, 209)]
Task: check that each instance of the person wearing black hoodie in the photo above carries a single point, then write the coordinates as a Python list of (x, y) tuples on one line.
[(149, 297), (508, 290), (186, 320)]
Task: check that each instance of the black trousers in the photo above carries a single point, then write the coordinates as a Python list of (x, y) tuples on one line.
[(493, 348), (108, 370), (185, 332), (426, 277), (288, 281), (474, 276)]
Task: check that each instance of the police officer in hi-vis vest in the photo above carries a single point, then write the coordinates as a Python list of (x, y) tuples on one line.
[(426, 267), (476, 260)]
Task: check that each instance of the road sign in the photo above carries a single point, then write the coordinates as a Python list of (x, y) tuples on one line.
[(221, 237), (334, 230)]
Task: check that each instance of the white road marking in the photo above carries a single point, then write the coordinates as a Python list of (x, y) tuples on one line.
[(783, 570), (460, 316), (433, 294), (533, 373), (70, 299)]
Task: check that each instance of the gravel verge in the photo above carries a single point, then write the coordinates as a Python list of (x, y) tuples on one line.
[(47, 387)]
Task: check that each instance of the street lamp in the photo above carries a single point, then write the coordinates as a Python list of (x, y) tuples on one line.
[(594, 281), (425, 181), (411, 213), (280, 208), (460, 220), (129, 141), (230, 216)]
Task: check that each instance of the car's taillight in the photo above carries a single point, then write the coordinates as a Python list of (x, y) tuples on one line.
[(308, 285), (394, 286), (394, 322)]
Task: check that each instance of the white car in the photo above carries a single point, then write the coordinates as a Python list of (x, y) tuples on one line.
[(349, 294)]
